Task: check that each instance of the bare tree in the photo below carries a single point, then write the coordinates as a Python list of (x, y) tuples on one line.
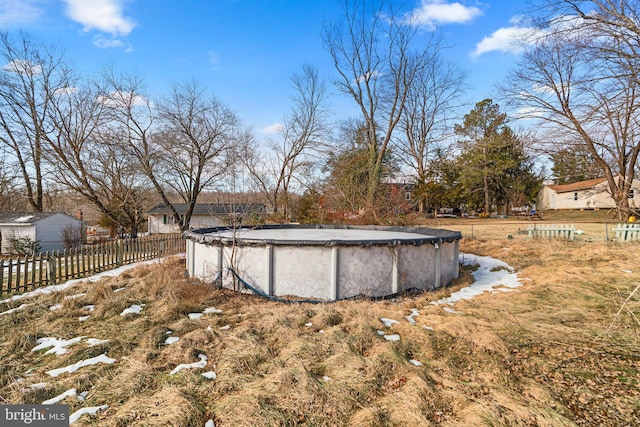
[(431, 101), (82, 153), (371, 49), (301, 137), (30, 75), (180, 144), (581, 77), (196, 135)]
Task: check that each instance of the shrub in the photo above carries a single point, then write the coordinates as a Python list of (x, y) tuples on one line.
[(24, 245)]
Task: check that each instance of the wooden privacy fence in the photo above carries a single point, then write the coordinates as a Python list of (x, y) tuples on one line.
[(627, 232), (552, 231), (25, 273)]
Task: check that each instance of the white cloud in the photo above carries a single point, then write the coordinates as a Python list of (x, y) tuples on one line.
[(106, 43), (20, 11), (274, 128), (432, 12), (102, 15), (506, 40), (122, 99), (23, 67)]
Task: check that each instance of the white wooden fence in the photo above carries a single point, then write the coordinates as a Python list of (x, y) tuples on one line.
[(552, 231), (627, 232)]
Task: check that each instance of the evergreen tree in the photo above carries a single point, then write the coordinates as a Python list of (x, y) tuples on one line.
[(494, 167), (573, 164)]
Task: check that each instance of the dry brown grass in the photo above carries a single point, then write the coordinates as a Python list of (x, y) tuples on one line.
[(557, 352)]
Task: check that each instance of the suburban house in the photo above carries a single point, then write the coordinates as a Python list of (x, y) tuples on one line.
[(590, 194), (160, 219), (46, 228)]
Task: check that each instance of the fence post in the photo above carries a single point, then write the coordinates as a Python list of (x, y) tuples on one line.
[(119, 252), (51, 269)]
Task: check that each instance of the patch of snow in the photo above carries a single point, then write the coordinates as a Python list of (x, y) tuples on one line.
[(38, 386), (428, 328), (210, 310), (82, 396), (627, 271), (491, 273), (81, 364), (321, 331), (58, 345), (119, 289), (58, 398), (23, 218), (171, 340), (308, 325), (209, 423), (134, 309), (326, 378), (89, 307), (55, 307), (381, 333), (91, 410), (225, 327), (201, 364), (450, 310), (210, 375), (194, 316), (168, 332), (13, 310), (388, 322), (83, 318), (394, 337), (76, 296), (415, 362)]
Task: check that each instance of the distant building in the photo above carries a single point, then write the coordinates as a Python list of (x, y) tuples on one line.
[(47, 228), (205, 215), (590, 194)]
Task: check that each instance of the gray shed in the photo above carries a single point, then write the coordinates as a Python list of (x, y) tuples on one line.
[(45, 227)]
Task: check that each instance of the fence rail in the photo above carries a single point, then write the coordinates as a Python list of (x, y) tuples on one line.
[(22, 274)]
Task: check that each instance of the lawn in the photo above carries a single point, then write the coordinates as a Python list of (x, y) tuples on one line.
[(560, 350)]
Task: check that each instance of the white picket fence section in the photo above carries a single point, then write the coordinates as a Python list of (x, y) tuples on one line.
[(552, 231), (627, 232)]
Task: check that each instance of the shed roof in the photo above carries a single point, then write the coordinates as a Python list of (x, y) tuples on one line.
[(209, 208), (18, 218), (577, 186)]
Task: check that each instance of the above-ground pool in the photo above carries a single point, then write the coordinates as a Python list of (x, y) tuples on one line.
[(322, 261)]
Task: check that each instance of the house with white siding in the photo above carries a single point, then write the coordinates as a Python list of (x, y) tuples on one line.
[(590, 194), (46, 228), (205, 215)]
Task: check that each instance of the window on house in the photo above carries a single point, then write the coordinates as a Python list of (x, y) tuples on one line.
[(631, 193), (164, 219), (407, 195), (575, 196)]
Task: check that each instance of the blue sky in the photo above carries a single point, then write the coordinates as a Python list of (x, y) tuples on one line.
[(245, 51)]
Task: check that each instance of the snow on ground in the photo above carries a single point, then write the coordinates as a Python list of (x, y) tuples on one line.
[(81, 364), (201, 364), (134, 309), (491, 275)]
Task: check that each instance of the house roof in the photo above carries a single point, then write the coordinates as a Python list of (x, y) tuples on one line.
[(209, 208), (577, 186), (25, 218)]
